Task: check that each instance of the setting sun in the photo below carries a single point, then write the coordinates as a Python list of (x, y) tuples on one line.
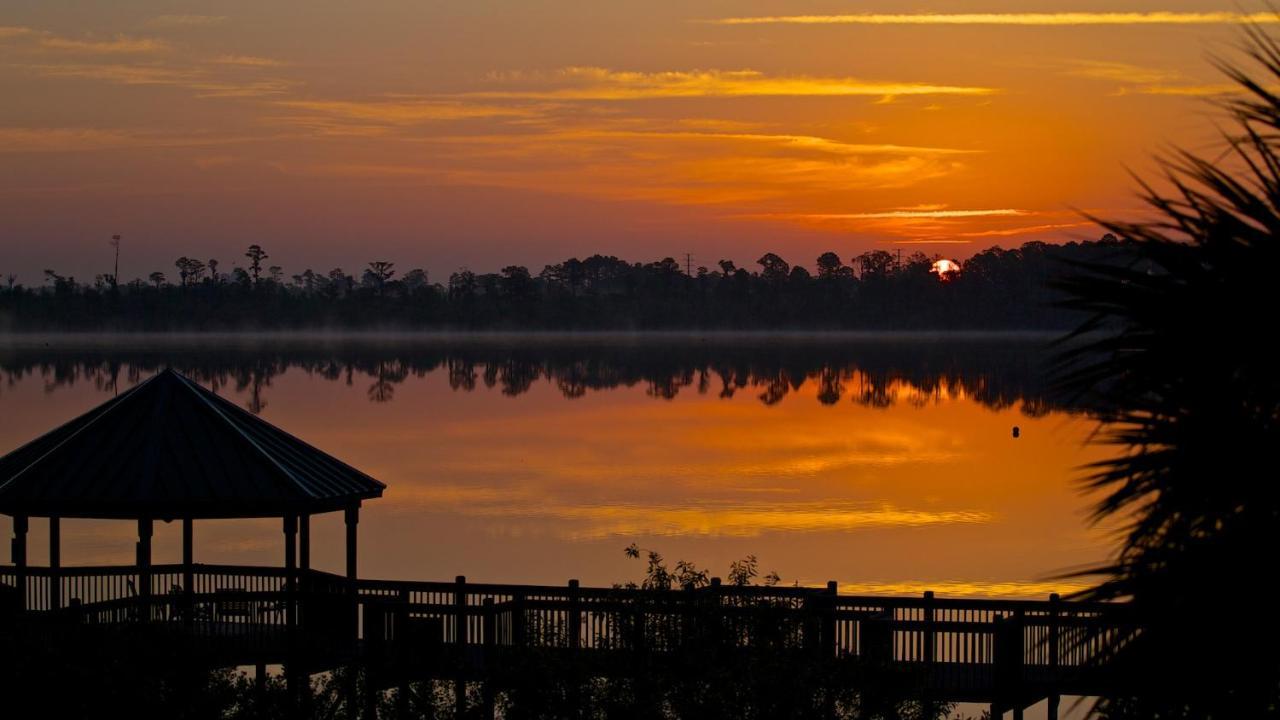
[(944, 268)]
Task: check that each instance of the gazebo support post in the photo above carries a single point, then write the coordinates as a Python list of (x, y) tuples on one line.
[(18, 552), (188, 568), (299, 690), (304, 543), (304, 555), (290, 567), (352, 518), (55, 563), (291, 674), (144, 565)]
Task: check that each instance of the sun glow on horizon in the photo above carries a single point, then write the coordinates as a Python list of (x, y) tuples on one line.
[(945, 268)]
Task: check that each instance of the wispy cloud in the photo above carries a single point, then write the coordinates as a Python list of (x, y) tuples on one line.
[(672, 166), (380, 116), (198, 79), (1119, 72), (1206, 90), (117, 45), (33, 40), (1033, 19), (1024, 230), (595, 83), (185, 21), (782, 141), (1138, 80), (79, 139), (247, 61), (915, 214)]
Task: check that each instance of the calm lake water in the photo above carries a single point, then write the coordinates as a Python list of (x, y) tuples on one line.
[(887, 464)]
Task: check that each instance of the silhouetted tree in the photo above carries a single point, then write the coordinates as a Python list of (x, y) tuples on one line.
[(773, 268), (829, 266), (1173, 361), (256, 255)]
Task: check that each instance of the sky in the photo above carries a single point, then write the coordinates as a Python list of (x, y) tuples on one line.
[(486, 133)]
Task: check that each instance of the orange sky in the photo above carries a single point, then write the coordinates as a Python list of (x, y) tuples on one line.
[(488, 133)]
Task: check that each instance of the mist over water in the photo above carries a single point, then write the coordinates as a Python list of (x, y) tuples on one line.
[(887, 463)]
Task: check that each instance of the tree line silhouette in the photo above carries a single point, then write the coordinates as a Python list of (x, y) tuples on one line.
[(998, 373), (995, 289)]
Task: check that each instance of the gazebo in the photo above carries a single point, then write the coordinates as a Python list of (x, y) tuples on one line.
[(169, 449)]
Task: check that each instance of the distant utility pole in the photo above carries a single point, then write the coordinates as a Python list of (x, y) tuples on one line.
[(898, 265), (688, 264), (115, 273)]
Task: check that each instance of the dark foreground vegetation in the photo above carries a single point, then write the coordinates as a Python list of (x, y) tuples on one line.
[(995, 289), (1186, 383)]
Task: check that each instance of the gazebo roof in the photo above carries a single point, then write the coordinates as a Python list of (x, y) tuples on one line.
[(169, 448)]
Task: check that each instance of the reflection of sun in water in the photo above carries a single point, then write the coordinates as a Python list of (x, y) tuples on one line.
[(944, 268)]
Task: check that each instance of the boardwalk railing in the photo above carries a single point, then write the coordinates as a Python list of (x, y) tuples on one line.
[(966, 645)]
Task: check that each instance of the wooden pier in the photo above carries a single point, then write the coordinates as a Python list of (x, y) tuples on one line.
[(1010, 654)]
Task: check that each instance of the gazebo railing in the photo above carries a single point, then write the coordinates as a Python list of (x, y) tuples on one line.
[(99, 584)]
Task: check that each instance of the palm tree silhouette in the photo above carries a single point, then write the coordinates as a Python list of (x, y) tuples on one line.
[(1176, 362)]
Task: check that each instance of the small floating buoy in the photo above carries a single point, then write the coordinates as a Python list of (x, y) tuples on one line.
[(1016, 431)]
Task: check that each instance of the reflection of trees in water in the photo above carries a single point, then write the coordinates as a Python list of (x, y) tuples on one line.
[(876, 374), (386, 376)]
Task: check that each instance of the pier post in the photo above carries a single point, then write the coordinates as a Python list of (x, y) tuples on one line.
[(351, 517), (715, 619), (188, 570), (686, 616), (55, 564), (460, 645), (290, 569), (145, 529), (260, 683), (929, 639), (830, 641), (830, 645), (402, 644), (490, 631), (929, 650), (574, 620), (517, 619), (18, 552), (1054, 650)]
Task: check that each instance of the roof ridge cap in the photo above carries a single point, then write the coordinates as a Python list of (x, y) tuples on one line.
[(200, 393)]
